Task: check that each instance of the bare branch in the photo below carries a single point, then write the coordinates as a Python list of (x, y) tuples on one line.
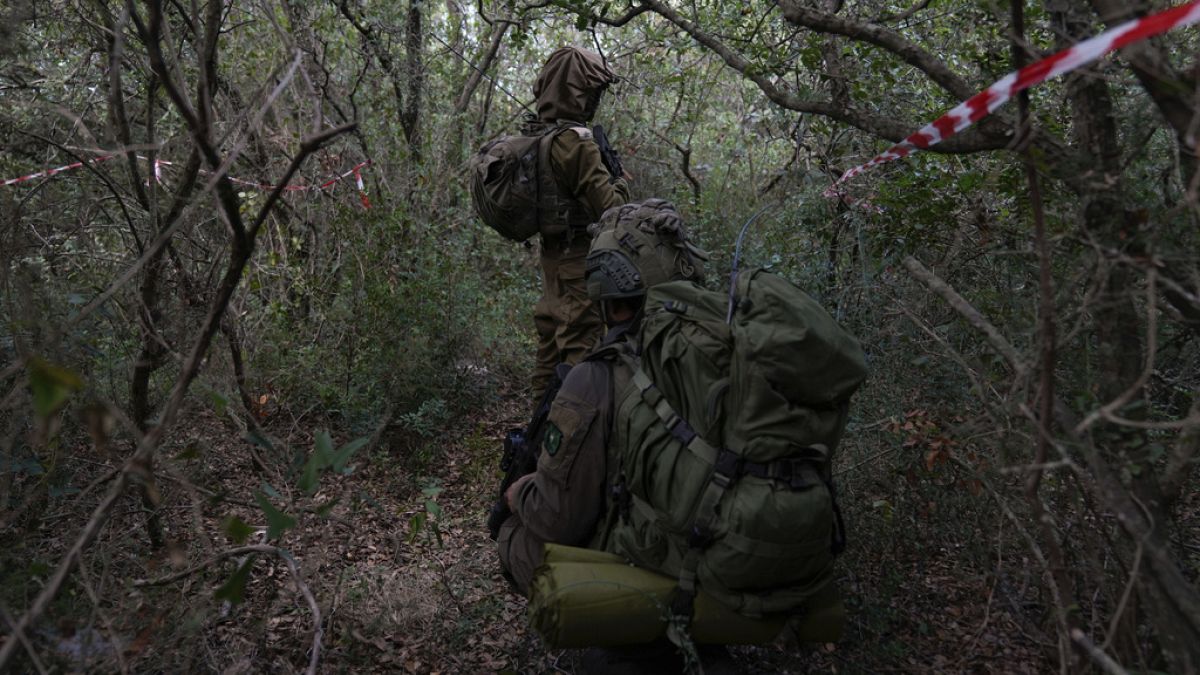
[(884, 38), (882, 126), (18, 635), (478, 71), (301, 586), (1109, 410), (1097, 655), (972, 315)]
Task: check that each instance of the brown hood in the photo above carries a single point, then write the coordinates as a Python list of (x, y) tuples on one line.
[(569, 81)]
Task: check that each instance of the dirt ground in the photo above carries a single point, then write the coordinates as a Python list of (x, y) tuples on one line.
[(397, 557)]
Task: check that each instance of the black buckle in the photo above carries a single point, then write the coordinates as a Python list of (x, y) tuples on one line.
[(683, 604), (728, 464), (622, 498), (681, 430), (803, 473), (699, 537)]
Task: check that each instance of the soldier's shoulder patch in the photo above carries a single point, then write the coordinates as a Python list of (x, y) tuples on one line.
[(552, 439), (583, 132)]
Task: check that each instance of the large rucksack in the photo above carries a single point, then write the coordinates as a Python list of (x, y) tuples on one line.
[(725, 425), (513, 189)]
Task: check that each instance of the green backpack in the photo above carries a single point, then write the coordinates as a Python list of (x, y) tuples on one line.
[(512, 192), (724, 429)]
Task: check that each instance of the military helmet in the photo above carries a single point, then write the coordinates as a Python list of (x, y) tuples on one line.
[(637, 246)]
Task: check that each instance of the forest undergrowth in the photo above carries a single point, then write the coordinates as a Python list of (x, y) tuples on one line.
[(407, 580), (257, 351)]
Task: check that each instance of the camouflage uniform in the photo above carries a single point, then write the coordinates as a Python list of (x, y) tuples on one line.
[(568, 90)]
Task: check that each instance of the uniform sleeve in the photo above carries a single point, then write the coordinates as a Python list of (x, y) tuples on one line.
[(582, 173), (565, 499)]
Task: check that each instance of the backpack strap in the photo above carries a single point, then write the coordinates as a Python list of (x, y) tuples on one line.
[(680, 429), (554, 208), (683, 604)]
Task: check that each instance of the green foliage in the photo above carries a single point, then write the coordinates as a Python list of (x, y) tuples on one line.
[(234, 588), (426, 520), (277, 521), (325, 457), (52, 385), (236, 529)]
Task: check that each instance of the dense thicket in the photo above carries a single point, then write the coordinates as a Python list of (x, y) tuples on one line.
[(181, 338)]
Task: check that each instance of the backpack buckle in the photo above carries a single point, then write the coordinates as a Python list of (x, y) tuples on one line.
[(622, 498), (681, 430), (699, 537), (727, 467), (797, 474)]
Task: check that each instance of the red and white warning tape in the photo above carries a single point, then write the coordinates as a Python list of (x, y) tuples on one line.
[(356, 171), (982, 104), (51, 172)]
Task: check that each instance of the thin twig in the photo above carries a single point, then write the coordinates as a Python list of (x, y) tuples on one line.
[(318, 629), (19, 634), (118, 650), (972, 315), (1116, 617), (1106, 663), (1108, 411)]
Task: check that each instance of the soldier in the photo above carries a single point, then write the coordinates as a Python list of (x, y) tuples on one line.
[(568, 91), (564, 499)]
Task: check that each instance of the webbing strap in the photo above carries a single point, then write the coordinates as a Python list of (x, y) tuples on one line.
[(679, 427), (683, 606)]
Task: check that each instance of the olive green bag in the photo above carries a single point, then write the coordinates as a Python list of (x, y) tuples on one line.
[(513, 190), (724, 433)]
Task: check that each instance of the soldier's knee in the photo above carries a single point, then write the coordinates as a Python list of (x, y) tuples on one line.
[(519, 554)]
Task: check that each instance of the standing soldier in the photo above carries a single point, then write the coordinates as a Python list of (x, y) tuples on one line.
[(568, 91)]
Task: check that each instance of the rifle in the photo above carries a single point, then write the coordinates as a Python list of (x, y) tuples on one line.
[(608, 154), (522, 446)]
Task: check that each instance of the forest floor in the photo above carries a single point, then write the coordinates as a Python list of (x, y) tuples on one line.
[(433, 600), (399, 595)]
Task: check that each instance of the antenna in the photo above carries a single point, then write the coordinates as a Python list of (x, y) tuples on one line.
[(737, 256), (489, 77)]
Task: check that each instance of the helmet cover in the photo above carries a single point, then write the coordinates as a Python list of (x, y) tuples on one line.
[(637, 246)]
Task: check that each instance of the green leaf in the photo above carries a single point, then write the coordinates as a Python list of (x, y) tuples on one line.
[(310, 475), (344, 453), (56, 491), (271, 491), (52, 385), (323, 447), (277, 521), (258, 439), (190, 451), (434, 509), (234, 590), (321, 457), (219, 400), (414, 526), (325, 509), (236, 529)]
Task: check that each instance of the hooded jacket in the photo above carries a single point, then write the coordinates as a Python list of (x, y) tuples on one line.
[(568, 89), (570, 85)]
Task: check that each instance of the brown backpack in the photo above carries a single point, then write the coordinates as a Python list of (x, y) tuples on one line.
[(513, 188)]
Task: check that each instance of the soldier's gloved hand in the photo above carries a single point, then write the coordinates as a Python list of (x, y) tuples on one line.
[(510, 496)]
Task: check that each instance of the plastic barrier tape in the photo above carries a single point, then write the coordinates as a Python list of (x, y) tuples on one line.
[(982, 104), (356, 171)]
